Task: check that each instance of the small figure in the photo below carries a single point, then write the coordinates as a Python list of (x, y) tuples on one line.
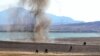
[(36, 51), (46, 50), (70, 48), (84, 43)]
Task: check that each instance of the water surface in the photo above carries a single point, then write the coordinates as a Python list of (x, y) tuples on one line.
[(27, 35)]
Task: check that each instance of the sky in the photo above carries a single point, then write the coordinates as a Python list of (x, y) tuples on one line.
[(82, 10)]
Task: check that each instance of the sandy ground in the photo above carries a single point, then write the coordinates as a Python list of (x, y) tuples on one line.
[(14, 53), (79, 41)]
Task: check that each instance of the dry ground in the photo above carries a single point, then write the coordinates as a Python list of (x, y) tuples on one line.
[(79, 41), (14, 53)]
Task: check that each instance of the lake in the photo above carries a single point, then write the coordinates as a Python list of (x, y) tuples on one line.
[(73, 35), (27, 35)]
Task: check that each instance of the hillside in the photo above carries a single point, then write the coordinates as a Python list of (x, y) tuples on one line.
[(23, 21), (57, 20), (9, 17), (79, 27)]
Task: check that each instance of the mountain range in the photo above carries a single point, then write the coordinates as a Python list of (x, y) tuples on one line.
[(58, 20), (24, 21), (6, 17), (78, 27)]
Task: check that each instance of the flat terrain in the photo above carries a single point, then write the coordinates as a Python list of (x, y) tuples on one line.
[(14, 53), (26, 49), (79, 41)]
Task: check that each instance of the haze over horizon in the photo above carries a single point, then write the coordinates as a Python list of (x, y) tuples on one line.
[(81, 10)]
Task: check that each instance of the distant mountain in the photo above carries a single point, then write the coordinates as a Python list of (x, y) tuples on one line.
[(9, 16), (23, 14), (24, 21), (78, 27), (10, 21), (58, 20)]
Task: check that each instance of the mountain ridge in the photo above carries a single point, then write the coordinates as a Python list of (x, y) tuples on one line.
[(78, 27), (5, 16), (59, 23)]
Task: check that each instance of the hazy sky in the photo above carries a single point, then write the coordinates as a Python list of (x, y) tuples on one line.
[(83, 10)]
